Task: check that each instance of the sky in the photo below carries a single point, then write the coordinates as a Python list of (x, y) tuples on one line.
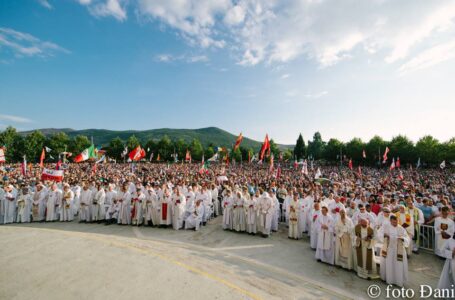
[(345, 68)]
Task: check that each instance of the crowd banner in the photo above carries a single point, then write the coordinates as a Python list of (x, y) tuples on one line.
[(54, 175)]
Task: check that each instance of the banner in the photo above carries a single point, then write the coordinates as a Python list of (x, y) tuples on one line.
[(54, 175)]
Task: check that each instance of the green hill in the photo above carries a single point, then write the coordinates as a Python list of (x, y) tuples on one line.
[(209, 135)]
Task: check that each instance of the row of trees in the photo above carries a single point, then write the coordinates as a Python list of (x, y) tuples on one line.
[(32, 144), (428, 149)]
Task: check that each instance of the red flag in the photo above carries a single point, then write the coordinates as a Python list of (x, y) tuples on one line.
[(41, 160), (392, 166), (350, 164), (58, 165), (400, 176), (398, 164), (238, 141), (137, 154), (364, 154), (384, 157), (265, 147), (158, 158)]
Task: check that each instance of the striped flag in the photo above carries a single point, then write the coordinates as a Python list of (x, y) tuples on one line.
[(384, 157), (238, 141)]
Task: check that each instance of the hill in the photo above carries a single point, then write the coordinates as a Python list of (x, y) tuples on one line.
[(209, 135)]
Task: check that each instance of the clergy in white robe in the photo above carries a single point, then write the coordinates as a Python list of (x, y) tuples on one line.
[(54, 200), (228, 213), (39, 203), (194, 220), (9, 204), (124, 214), (294, 231), (137, 202), (111, 194), (313, 230), (84, 204), (343, 241), (215, 200), (97, 205), (24, 206), (276, 211), (393, 260), (447, 279), (444, 228), (266, 213), (66, 210), (325, 247), (364, 246), (166, 208), (250, 206), (407, 222), (239, 212), (178, 209), (286, 205), (418, 220)]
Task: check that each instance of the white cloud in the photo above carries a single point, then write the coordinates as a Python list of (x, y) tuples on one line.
[(285, 76), (24, 44), (45, 4), (167, 58), (15, 119), (429, 57), (316, 95), (85, 2), (276, 31), (111, 8)]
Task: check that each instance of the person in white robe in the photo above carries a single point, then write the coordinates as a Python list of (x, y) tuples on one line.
[(286, 206), (313, 230), (2, 203), (266, 213), (276, 211), (109, 202), (444, 228), (166, 208), (447, 279), (343, 241), (137, 201), (77, 199), (24, 206), (250, 205), (54, 201), (84, 204), (39, 203), (294, 231), (228, 211), (364, 250), (406, 221), (97, 207), (303, 213), (393, 260), (215, 200), (178, 209), (239, 212), (124, 215), (194, 220), (361, 213), (418, 220), (149, 193), (66, 209), (9, 204), (325, 247)]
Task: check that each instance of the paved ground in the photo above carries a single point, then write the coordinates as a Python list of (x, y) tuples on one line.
[(91, 261)]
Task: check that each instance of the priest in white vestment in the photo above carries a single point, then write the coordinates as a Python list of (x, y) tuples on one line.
[(444, 228), (343, 241), (325, 226), (447, 279)]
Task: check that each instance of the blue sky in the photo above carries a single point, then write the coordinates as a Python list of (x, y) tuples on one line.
[(345, 68)]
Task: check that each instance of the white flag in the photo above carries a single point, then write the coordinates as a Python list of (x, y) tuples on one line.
[(48, 149), (443, 164)]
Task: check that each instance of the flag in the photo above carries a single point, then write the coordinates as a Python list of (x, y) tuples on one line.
[(58, 165), (238, 141), (24, 167), (318, 174), (103, 158), (213, 158), (151, 156), (360, 171), (47, 149), (2, 155), (265, 147), (41, 160), (54, 175), (271, 163), (86, 154), (296, 164), (350, 164), (443, 164), (392, 165), (125, 152), (398, 164), (137, 154), (400, 176), (418, 163), (364, 154), (204, 167), (158, 158), (384, 157), (188, 156)]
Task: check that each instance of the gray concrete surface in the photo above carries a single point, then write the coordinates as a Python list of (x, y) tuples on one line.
[(91, 261)]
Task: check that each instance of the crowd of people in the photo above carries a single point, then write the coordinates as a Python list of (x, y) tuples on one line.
[(368, 222)]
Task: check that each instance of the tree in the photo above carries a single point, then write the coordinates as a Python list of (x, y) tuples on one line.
[(78, 144), (115, 148), (196, 149), (316, 147), (374, 149), (209, 152), (165, 148), (354, 149), (33, 145), (9, 138), (427, 149), (402, 147), (299, 149), (333, 149), (150, 147), (180, 148), (236, 155), (287, 155), (132, 142), (58, 143), (274, 149)]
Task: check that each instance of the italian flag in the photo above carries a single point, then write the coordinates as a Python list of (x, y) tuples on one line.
[(86, 154)]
